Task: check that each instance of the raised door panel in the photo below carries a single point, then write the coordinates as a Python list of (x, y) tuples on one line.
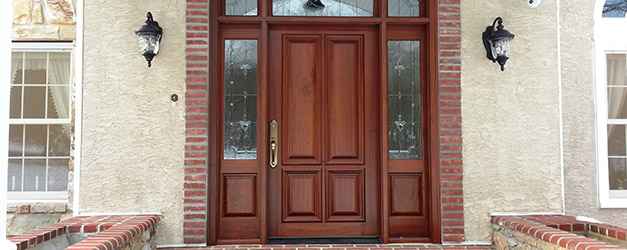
[(405, 194), (240, 195), (302, 200), (344, 75), (301, 100), (345, 195)]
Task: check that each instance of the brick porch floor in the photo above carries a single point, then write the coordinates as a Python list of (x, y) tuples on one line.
[(336, 247)]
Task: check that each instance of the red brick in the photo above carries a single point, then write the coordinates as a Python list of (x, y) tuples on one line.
[(456, 192), (195, 139), (194, 216), (454, 223), (450, 68), (194, 185), (449, 9), (451, 125), (196, 132), (451, 185), (452, 200), (195, 170), (196, 95), (194, 224), (195, 155), (452, 208), (451, 148), (450, 2), (451, 119), (451, 170), (446, 140), (452, 163), (453, 238), (454, 17), (195, 201), (451, 133), (452, 177), (195, 193), (196, 178)]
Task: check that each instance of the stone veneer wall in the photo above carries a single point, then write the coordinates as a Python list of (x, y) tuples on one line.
[(44, 20), (22, 218)]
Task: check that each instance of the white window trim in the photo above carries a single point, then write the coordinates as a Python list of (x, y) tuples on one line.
[(49, 196), (607, 40)]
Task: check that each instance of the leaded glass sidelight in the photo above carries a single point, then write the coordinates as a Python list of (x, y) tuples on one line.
[(401, 8), (404, 124), (240, 7), (336, 8), (240, 99)]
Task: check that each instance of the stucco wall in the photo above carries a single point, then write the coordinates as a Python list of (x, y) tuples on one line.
[(511, 118), (577, 31), (133, 135)]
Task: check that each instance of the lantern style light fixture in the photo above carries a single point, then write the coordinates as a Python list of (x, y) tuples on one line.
[(497, 42), (149, 38)]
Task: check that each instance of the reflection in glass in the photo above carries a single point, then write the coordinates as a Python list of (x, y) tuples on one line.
[(618, 173), (615, 8), (34, 102), (34, 175), (16, 102), (36, 137), (404, 124), (314, 8), (15, 175), (398, 8), (240, 99), (57, 174), (240, 7), (16, 140), (616, 86)]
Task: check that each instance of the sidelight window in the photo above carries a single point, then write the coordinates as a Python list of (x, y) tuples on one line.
[(404, 123), (240, 99)]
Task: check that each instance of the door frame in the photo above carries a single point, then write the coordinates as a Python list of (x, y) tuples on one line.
[(218, 23)]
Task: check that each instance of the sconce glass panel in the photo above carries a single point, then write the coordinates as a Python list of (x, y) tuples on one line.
[(335, 8), (614, 9), (404, 120), (240, 99), (240, 7), (404, 8)]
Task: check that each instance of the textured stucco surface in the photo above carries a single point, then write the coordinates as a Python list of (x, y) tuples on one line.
[(133, 135), (577, 31), (511, 118)]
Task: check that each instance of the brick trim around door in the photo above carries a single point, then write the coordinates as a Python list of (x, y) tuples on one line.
[(451, 164), (196, 133)]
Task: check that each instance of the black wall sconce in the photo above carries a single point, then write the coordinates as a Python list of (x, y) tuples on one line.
[(497, 42), (149, 38)]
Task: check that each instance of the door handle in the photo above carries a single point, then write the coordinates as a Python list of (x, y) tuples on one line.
[(274, 144)]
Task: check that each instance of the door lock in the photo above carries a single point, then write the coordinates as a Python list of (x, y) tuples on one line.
[(274, 144)]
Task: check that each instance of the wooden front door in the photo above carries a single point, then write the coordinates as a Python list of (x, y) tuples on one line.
[(323, 94), (354, 99)]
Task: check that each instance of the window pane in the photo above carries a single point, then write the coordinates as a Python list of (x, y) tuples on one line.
[(240, 7), (617, 86), (404, 8), (36, 136), (58, 102), (35, 65), (59, 140), (17, 62), (404, 124), (34, 102), (16, 140), (615, 8), (57, 174), (618, 174), (314, 8), (34, 175), (59, 68), (240, 99), (15, 175), (16, 102)]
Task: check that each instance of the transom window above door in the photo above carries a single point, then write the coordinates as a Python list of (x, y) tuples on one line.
[(325, 8)]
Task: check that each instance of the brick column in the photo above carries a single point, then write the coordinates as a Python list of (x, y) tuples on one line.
[(196, 114), (451, 164)]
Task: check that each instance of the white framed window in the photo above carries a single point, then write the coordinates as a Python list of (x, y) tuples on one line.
[(40, 121), (611, 102)]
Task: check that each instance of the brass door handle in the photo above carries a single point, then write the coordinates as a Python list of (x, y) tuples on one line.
[(274, 144)]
